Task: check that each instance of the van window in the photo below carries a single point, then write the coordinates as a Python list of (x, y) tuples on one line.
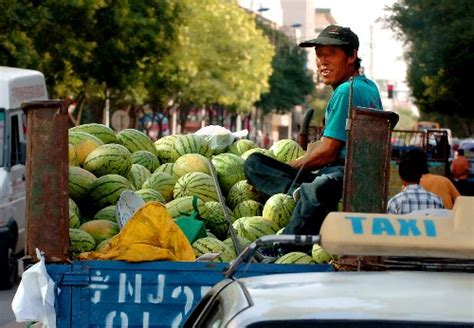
[(2, 137), (17, 148)]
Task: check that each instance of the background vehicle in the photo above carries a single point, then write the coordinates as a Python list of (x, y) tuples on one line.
[(16, 86)]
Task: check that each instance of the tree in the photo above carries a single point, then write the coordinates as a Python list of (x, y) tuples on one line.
[(290, 82), (439, 35), (221, 58)]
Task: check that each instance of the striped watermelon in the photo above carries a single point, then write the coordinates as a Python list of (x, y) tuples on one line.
[(138, 175), (147, 159), (295, 258), (230, 169), (279, 209), (100, 229), (72, 156), (149, 195), (135, 140), (166, 168), (162, 182), (184, 206), (243, 243), (211, 245), (107, 213), (80, 181), (196, 183), (109, 159), (74, 215), (319, 255), (106, 190), (83, 143), (165, 149), (248, 208), (240, 146), (249, 152), (80, 241), (240, 192), (191, 163), (215, 220), (286, 150), (254, 227), (101, 131), (103, 245), (192, 144)]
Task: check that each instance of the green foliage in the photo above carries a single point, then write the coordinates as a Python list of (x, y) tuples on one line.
[(221, 56), (440, 39), (290, 82)]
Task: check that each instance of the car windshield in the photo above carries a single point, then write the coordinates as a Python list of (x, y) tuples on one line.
[(2, 135)]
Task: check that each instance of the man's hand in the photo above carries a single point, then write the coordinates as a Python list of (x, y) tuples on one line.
[(321, 155)]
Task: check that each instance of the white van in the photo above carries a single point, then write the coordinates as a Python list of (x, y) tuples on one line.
[(16, 86)]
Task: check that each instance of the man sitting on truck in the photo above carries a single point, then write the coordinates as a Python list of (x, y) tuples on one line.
[(320, 191), (413, 197)]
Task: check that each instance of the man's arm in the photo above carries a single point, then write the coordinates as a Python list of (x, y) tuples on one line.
[(327, 152)]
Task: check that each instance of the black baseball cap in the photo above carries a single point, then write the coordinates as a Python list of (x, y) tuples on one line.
[(334, 35)]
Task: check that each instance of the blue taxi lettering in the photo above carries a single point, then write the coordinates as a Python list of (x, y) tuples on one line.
[(356, 221), (381, 226), (408, 226), (384, 226)]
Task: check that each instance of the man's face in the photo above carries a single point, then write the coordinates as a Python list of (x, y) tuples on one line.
[(334, 65)]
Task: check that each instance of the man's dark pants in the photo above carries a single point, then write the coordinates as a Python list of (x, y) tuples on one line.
[(319, 194)]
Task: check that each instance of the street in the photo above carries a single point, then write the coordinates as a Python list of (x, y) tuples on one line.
[(7, 318)]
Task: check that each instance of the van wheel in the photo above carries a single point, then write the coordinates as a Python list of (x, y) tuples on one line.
[(8, 277)]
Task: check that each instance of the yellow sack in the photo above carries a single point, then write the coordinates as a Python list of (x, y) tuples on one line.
[(149, 235)]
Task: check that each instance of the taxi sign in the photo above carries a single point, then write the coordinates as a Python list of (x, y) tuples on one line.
[(402, 235)]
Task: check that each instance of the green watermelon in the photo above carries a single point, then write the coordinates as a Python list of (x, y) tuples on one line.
[(240, 192), (165, 149), (107, 189), (196, 183), (101, 131), (279, 209), (192, 144), (184, 206), (162, 182), (166, 168), (80, 181), (211, 245), (319, 255), (74, 215), (106, 213), (248, 208), (287, 150), (240, 146), (229, 168), (135, 140), (80, 241), (215, 220), (109, 159), (243, 243), (149, 195), (295, 258), (147, 159), (138, 175), (84, 143), (254, 227), (263, 151)]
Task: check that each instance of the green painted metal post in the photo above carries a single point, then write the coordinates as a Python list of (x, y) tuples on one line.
[(47, 165)]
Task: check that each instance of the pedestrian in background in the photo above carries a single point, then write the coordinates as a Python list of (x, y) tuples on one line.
[(413, 197), (460, 171)]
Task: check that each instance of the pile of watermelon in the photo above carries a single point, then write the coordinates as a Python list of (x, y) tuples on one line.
[(171, 170)]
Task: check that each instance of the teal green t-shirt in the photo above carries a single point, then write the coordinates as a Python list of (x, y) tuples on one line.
[(365, 94)]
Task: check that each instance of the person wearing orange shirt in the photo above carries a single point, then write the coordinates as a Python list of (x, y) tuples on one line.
[(460, 166), (437, 184)]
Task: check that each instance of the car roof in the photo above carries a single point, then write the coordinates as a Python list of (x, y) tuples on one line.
[(392, 295)]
